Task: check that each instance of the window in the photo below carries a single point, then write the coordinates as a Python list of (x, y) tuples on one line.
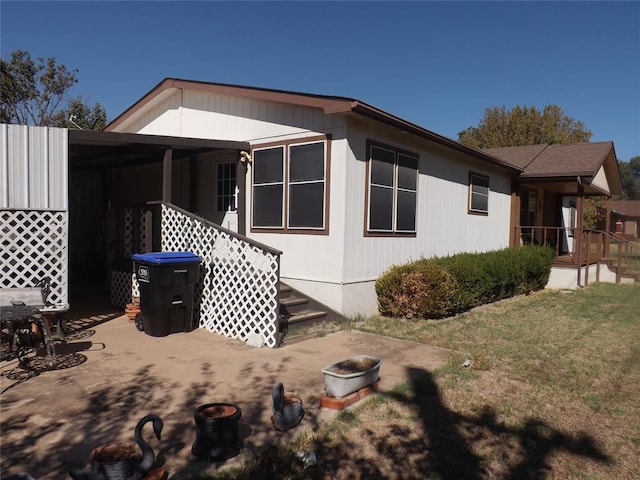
[(226, 187), (478, 193), (289, 187), (392, 192)]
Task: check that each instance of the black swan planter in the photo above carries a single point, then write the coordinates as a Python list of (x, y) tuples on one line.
[(121, 461), (287, 408)]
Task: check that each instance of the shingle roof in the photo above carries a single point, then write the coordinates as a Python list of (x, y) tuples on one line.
[(565, 160), (630, 208), (519, 156)]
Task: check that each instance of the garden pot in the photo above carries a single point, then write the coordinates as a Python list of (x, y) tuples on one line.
[(348, 376), (287, 408), (217, 435), (122, 461), (116, 461)]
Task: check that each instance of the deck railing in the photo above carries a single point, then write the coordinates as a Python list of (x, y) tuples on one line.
[(623, 254), (585, 247)]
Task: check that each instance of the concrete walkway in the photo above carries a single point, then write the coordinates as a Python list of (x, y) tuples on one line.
[(108, 375)]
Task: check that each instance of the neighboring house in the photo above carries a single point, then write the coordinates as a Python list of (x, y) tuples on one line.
[(549, 200), (626, 217), (323, 193)]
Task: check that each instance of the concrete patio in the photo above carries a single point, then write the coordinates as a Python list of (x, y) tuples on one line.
[(108, 375)]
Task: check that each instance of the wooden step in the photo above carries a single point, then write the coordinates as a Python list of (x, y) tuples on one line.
[(305, 316), (292, 301)]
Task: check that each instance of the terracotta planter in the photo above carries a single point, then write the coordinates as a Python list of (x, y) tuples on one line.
[(131, 310), (217, 435)]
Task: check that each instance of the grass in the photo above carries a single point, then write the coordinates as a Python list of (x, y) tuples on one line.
[(551, 392)]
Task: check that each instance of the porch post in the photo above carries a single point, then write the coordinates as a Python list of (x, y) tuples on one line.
[(167, 162), (515, 215), (607, 228), (241, 182), (579, 224)]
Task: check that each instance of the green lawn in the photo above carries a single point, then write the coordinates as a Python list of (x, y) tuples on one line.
[(552, 392)]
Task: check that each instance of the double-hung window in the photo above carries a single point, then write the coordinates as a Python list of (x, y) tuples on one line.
[(290, 187), (392, 191), (478, 193)]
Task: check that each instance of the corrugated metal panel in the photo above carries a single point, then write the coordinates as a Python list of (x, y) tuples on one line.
[(33, 167)]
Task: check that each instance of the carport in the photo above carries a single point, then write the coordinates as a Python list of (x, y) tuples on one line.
[(110, 172)]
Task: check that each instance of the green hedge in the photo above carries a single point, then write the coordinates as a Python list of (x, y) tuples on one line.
[(435, 288)]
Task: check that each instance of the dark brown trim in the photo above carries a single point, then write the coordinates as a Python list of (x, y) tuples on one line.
[(285, 144), (369, 233), (469, 194)]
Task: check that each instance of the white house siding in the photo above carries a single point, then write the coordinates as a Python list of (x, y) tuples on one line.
[(340, 269), (33, 167), (443, 223), (600, 181), (198, 114)]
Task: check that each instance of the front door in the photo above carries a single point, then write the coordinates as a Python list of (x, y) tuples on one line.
[(569, 223)]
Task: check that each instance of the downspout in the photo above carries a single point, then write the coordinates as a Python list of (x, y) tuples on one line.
[(580, 212)]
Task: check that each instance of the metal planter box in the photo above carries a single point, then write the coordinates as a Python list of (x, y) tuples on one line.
[(343, 378)]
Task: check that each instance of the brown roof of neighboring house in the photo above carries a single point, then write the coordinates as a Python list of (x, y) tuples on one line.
[(563, 160), (629, 208), (329, 104)]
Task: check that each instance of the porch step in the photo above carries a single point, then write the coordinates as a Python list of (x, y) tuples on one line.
[(298, 309), (305, 316)]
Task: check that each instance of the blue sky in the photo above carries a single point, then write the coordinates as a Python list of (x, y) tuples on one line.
[(437, 64)]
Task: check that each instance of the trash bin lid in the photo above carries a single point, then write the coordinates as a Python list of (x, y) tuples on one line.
[(166, 257)]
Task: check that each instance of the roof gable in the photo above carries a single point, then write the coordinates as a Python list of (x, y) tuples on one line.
[(328, 104), (569, 160)]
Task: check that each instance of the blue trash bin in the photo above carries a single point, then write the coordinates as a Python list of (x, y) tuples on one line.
[(166, 281)]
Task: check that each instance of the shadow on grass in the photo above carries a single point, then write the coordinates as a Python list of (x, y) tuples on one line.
[(445, 447), (450, 437)]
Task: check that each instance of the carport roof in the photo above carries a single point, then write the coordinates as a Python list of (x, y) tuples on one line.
[(89, 148)]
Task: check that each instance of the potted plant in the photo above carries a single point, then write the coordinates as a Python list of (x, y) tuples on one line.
[(217, 435), (351, 375), (287, 408)]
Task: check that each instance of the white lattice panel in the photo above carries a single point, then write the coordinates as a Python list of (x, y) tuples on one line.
[(238, 290), (124, 287), (33, 246), (128, 231)]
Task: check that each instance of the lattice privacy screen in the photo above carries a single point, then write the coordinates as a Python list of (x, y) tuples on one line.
[(33, 245), (238, 290)]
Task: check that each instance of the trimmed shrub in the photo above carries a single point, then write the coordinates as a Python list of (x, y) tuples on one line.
[(420, 289), (434, 288)]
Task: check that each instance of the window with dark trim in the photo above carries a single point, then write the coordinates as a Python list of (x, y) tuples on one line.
[(226, 187), (478, 193), (289, 187), (392, 190)]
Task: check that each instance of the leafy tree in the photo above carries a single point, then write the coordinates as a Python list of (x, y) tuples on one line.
[(524, 126), (80, 114), (35, 92), (630, 173)]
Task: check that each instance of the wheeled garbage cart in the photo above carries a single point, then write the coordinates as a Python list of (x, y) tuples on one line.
[(166, 281)]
